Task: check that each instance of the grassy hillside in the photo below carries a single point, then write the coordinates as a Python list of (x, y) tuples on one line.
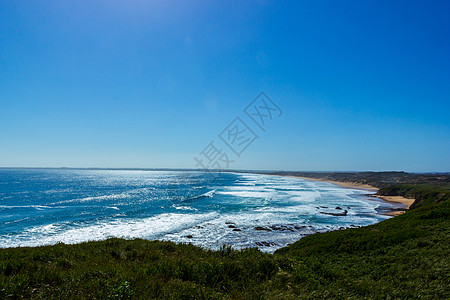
[(424, 194), (403, 257)]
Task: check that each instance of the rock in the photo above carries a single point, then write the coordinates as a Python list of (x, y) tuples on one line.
[(281, 228), (337, 207), (236, 229), (262, 228), (301, 227), (189, 236), (231, 226), (343, 214), (266, 244)]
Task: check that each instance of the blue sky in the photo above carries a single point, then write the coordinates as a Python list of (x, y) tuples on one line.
[(363, 85)]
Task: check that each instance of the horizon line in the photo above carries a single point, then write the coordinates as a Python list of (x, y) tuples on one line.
[(219, 170)]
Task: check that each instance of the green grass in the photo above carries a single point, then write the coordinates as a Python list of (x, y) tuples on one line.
[(424, 194), (405, 257)]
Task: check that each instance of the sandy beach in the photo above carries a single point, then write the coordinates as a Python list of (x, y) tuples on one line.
[(397, 199), (352, 185)]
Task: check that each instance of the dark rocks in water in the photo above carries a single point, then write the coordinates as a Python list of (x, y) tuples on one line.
[(230, 223), (289, 227), (231, 226), (301, 227), (281, 228), (199, 227), (266, 244), (342, 214), (337, 207), (189, 236), (236, 229), (262, 228), (323, 206)]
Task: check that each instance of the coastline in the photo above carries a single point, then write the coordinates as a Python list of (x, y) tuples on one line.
[(354, 185)]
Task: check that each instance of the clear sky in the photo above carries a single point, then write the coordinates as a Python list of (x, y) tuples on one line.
[(363, 85)]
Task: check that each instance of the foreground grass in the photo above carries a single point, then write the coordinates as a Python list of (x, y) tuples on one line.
[(404, 257)]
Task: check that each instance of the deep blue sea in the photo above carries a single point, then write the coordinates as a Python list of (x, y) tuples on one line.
[(43, 207)]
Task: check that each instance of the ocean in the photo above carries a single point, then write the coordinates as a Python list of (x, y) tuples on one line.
[(49, 206)]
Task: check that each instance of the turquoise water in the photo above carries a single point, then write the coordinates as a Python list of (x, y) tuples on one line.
[(42, 207)]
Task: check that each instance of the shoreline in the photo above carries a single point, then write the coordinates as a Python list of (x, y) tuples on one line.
[(393, 199), (352, 185)]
